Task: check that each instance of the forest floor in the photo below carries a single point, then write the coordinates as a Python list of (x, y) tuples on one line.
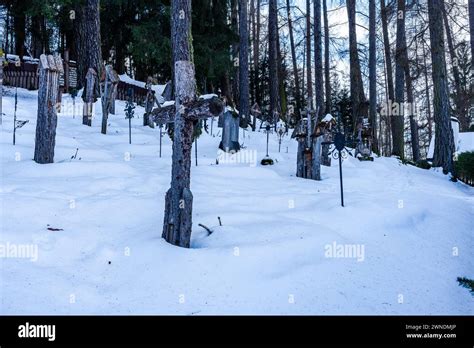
[(397, 247)]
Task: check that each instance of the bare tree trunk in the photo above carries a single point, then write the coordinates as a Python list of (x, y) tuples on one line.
[(273, 56), (293, 59), (471, 29), (429, 115), (327, 63), (357, 86), (373, 73), (398, 119), (234, 16), (444, 139), (388, 72), (87, 40), (415, 139), (283, 104), (459, 96), (257, 55), (19, 23), (244, 107), (177, 223), (318, 60), (309, 73)]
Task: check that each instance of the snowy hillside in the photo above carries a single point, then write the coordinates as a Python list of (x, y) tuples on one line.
[(277, 251)]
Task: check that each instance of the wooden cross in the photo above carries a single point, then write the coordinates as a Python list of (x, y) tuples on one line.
[(50, 68), (110, 80), (150, 101)]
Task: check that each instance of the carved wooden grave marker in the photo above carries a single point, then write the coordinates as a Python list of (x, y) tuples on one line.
[(50, 67)]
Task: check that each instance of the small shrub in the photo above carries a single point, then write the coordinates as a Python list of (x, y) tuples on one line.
[(464, 167)]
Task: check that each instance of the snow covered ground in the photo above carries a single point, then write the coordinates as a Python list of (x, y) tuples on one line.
[(407, 233)]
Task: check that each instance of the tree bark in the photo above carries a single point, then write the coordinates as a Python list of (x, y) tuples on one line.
[(373, 74), (327, 63), (444, 139), (397, 120), (471, 29), (318, 61), (309, 73), (19, 21), (234, 16), (177, 222), (273, 56), (87, 40), (244, 104), (357, 86), (293, 60), (460, 100)]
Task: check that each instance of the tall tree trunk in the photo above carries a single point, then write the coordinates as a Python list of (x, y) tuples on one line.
[(234, 12), (459, 95), (357, 86), (19, 23), (415, 139), (471, 29), (327, 63), (318, 60), (178, 207), (388, 56), (444, 139), (87, 40), (429, 115), (293, 60), (36, 37), (398, 124), (281, 80), (309, 73), (373, 73), (273, 56), (258, 96), (388, 74), (244, 107)]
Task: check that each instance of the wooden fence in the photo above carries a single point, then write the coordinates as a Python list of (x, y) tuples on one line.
[(23, 76), (26, 76)]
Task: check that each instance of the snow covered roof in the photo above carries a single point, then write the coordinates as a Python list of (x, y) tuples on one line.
[(328, 118), (159, 89), (168, 103), (208, 96)]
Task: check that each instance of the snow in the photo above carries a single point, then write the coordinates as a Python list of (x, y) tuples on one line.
[(463, 142), (411, 229), (159, 89), (208, 96), (328, 118)]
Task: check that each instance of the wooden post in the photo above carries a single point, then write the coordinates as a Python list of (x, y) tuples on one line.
[(50, 68), (177, 224), (89, 97), (66, 70), (108, 88), (150, 101), (114, 92)]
